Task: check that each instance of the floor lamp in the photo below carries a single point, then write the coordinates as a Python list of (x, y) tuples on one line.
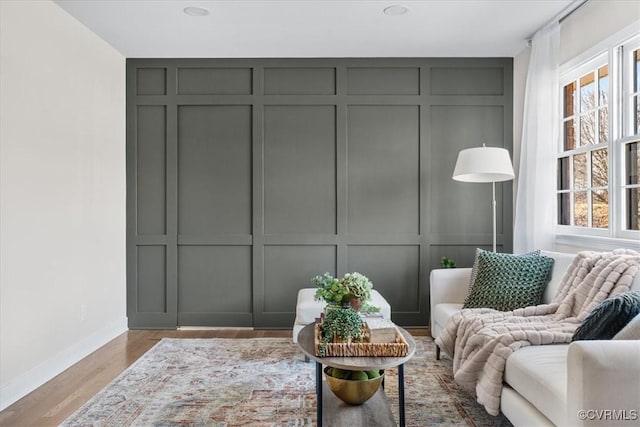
[(484, 164)]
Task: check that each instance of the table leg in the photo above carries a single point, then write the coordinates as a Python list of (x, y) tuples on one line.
[(319, 393), (401, 394)]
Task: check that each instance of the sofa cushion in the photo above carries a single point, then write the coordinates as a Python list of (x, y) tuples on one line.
[(506, 282), (539, 374), (609, 317), (561, 263)]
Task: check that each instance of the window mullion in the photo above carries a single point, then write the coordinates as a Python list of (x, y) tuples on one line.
[(612, 184), (572, 207), (589, 182), (618, 130)]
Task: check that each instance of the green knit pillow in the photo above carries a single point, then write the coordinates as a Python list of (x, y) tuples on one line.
[(505, 282), (474, 269)]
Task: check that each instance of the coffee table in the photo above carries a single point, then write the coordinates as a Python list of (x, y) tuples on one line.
[(376, 409)]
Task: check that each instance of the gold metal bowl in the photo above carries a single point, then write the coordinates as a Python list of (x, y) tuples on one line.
[(353, 392)]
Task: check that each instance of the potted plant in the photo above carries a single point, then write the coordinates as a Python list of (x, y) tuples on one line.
[(352, 289), (343, 324), (447, 262)]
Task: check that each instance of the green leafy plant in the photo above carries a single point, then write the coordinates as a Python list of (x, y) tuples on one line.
[(330, 290), (341, 323), (340, 292), (447, 262)]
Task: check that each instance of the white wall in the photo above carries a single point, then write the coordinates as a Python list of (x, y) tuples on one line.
[(62, 194), (592, 23)]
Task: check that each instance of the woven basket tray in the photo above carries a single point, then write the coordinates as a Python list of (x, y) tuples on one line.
[(399, 348)]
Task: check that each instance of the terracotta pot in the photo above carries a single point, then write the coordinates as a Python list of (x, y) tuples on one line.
[(355, 303)]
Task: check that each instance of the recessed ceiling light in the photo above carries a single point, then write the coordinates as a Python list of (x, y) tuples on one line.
[(395, 10), (196, 11)]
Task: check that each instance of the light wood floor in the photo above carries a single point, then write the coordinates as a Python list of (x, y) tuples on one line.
[(54, 401)]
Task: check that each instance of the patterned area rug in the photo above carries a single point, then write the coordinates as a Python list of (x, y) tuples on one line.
[(260, 382)]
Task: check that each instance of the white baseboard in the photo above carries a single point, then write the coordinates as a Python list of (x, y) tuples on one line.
[(34, 378)]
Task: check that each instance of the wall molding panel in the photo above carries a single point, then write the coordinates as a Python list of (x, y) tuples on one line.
[(247, 177)]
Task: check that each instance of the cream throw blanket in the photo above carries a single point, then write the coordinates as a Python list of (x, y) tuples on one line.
[(480, 339)]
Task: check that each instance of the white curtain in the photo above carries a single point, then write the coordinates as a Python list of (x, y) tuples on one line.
[(535, 200)]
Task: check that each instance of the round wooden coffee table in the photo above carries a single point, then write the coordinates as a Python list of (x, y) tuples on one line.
[(377, 409)]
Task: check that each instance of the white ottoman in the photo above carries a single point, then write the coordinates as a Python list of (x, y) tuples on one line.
[(308, 309)]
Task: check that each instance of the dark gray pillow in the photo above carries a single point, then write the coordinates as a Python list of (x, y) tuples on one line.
[(609, 317)]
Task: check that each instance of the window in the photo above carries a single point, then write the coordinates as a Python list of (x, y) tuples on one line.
[(598, 190), (631, 147), (583, 172)]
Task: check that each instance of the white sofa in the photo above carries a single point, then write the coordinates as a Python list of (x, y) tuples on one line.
[(550, 384)]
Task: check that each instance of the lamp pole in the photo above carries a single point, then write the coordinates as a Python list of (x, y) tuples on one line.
[(493, 204)]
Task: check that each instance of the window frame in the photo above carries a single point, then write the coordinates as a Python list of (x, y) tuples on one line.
[(617, 53), (575, 75), (628, 134)]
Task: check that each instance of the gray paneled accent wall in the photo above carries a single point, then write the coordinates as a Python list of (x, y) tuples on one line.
[(246, 177)]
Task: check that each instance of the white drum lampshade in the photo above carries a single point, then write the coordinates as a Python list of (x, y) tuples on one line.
[(484, 164)]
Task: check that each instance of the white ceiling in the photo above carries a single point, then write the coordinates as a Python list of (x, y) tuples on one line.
[(318, 28)]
